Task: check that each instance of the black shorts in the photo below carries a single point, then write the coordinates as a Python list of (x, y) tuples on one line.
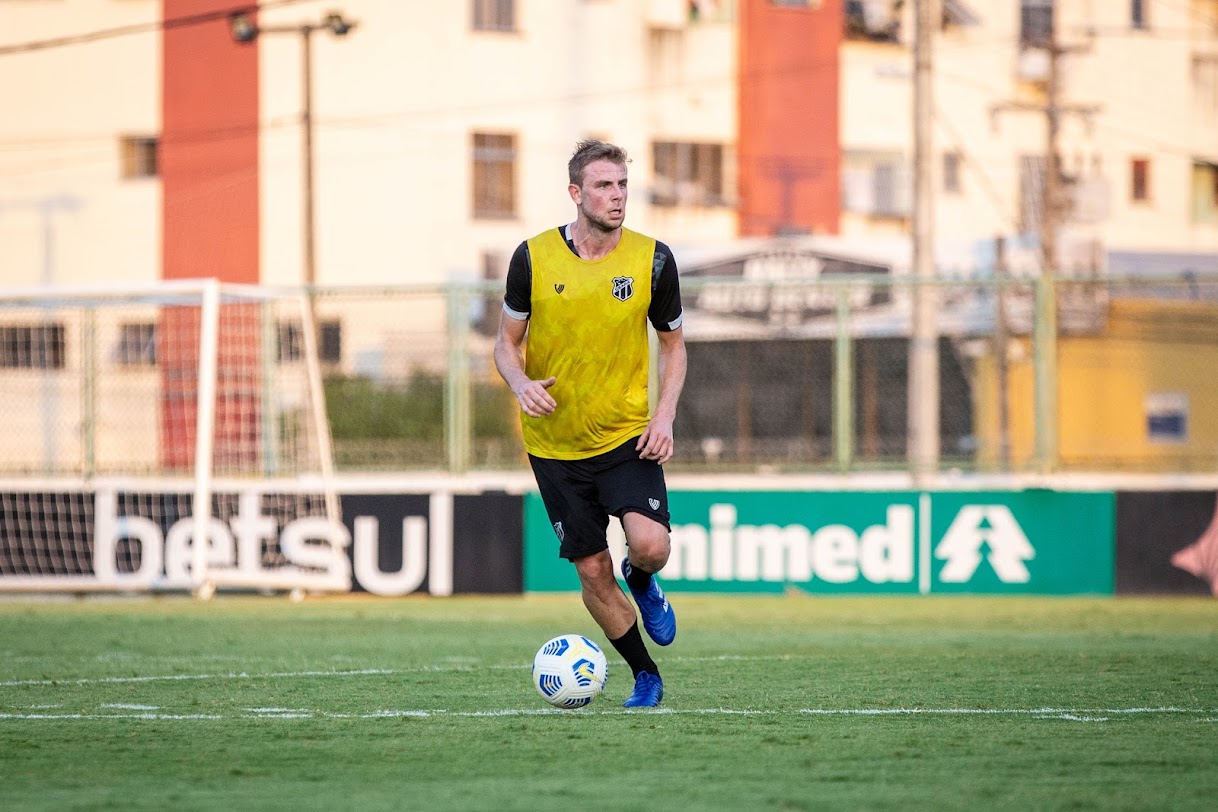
[(581, 495)]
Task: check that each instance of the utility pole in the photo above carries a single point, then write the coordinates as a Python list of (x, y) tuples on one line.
[(1053, 213), (923, 407), (245, 29), (1002, 354), (1050, 221)]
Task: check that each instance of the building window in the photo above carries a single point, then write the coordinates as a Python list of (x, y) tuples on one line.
[(877, 184), (136, 345), (330, 342), (1137, 14), (872, 20), (1205, 192), (1035, 23), (494, 176), (1205, 81), (139, 156), (494, 15), (32, 346), (1139, 180), (291, 342), (956, 12), (687, 174), (951, 172)]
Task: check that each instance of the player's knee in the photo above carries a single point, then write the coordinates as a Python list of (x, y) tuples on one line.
[(651, 559), (595, 570), (649, 543)]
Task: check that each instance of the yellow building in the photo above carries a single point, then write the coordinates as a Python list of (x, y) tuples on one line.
[(1138, 394)]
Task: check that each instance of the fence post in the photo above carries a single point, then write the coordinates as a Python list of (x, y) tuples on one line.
[(88, 411), (1044, 358), (843, 383), (457, 423)]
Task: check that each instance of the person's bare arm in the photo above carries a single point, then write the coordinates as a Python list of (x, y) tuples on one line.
[(657, 440), (534, 400)]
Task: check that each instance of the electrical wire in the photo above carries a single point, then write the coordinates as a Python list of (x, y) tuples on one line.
[(143, 28)]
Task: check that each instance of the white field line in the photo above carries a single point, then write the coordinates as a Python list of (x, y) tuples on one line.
[(148, 712), (218, 676), (1067, 714), (358, 672)]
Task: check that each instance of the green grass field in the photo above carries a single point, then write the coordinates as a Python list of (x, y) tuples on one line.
[(772, 703)]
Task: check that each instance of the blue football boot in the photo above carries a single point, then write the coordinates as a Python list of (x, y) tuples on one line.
[(659, 619), (648, 691)]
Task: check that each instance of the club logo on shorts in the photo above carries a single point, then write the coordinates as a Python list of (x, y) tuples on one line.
[(655, 503), (558, 531), (623, 287), (559, 288)]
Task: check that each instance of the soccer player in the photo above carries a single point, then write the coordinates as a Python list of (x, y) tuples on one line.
[(584, 293)]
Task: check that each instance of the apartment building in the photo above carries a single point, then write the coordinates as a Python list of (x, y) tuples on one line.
[(144, 140)]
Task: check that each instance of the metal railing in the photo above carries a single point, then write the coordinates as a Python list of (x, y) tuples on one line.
[(791, 375)]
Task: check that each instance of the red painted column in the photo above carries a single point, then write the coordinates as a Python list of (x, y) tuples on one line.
[(788, 148), (209, 224)]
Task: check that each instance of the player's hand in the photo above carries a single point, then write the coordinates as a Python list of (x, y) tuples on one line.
[(656, 443), (535, 401)]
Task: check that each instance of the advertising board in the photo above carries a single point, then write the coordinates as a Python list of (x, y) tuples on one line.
[(902, 542)]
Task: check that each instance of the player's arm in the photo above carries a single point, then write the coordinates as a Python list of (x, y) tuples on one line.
[(534, 400), (666, 316), (657, 441)]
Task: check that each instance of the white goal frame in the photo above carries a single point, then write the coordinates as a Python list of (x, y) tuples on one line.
[(313, 485)]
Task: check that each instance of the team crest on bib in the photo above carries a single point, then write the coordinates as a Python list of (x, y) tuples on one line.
[(623, 287), (559, 288)]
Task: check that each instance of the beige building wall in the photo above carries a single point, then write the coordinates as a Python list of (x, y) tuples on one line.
[(397, 101), (1148, 99), (66, 214)]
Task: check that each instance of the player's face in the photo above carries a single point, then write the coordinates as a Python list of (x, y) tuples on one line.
[(602, 197)]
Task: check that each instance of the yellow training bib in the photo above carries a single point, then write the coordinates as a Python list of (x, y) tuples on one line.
[(588, 328)]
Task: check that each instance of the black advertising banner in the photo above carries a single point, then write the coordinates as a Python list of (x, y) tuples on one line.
[(259, 537), (1167, 542), (436, 543), (390, 540), (488, 543)]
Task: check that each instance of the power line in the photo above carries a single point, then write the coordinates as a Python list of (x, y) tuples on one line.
[(143, 28), (1098, 121), (987, 185)]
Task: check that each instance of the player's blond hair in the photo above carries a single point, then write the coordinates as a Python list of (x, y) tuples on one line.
[(590, 150)]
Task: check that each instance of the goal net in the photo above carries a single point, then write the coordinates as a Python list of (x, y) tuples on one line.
[(165, 437)]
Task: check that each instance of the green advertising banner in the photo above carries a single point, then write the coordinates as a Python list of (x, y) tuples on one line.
[(852, 542)]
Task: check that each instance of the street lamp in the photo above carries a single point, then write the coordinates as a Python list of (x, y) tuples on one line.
[(245, 29)]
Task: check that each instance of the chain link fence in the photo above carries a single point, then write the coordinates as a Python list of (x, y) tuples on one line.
[(811, 375)]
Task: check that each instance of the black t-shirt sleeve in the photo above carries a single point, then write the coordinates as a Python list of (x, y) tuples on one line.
[(665, 312), (518, 300)]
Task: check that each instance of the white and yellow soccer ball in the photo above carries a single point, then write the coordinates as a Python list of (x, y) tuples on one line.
[(569, 671)]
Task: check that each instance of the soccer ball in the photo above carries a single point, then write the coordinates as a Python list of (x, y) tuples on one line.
[(569, 671)]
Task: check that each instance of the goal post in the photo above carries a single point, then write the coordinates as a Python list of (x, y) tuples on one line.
[(167, 436), (205, 427)]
